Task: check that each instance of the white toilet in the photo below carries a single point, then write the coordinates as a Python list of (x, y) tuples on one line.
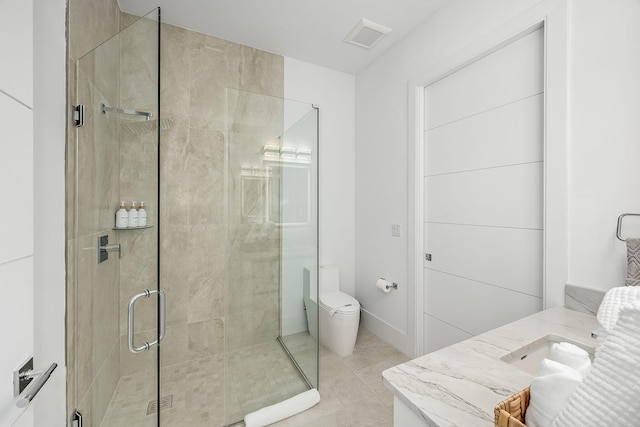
[(339, 313)]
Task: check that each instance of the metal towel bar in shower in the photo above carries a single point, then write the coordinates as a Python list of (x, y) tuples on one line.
[(619, 229), (106, 109), (131, 320)]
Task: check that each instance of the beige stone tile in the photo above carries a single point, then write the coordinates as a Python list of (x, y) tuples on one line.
[(206, 338), (138, 84), (138, 363), (361, 359), (372, 375), (138, 272), (97, 170), (366, 340), (91, 23), (129, 403), (175, 202), (176, 66), (245, 371), (258, 376), (70, 155), (351, 390), (85, 407), (139, 170), (214, 67), (209, 371), (127, 19), (96, 311), (206, 298), (175, 345), (332, 369), (260, 72), (206, 277), (70, 326), (101, 66), (105, 384), (205, 176), (249, 329), (174, 272), (173, 148), (370, 412), (176, 199)]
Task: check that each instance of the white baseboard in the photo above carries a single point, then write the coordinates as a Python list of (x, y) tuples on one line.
[(387, 332), (294, 325)]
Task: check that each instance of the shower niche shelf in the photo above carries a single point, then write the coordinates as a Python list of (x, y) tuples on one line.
[(132, 228)]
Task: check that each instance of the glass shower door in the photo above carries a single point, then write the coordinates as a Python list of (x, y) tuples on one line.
[(298, 182), (271, 347), (114, 297)]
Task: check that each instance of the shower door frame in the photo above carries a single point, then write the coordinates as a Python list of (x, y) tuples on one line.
[(99, 108)]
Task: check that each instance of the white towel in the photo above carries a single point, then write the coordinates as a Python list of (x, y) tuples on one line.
[(610, 394), (572, 356), (609, 309), (285, 409), (549, 392)]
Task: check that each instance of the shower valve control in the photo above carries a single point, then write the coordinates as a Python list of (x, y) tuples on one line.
[(104, 248)]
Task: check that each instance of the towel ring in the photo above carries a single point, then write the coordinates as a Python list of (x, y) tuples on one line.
[(618, 231)]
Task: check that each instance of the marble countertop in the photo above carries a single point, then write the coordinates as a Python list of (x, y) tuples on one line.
[(461, 384)]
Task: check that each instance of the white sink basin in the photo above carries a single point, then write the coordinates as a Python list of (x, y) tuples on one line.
[(528, 358)]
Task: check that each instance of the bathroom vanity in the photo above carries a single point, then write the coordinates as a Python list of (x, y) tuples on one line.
[(461, 384)]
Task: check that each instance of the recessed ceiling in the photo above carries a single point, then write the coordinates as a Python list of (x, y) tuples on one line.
[(311, 31)]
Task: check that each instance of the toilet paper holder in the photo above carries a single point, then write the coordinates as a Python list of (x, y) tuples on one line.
[(391, 285)]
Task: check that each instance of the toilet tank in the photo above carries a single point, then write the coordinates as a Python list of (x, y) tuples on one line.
[(309, 293), (309, 284), (329, 278)]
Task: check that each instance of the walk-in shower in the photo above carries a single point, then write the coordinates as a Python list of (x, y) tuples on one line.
[(197, 128)]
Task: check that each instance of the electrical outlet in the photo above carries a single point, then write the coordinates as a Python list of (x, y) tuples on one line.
[(395, 230)]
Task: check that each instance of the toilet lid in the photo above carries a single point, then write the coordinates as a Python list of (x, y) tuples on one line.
[(339, 300)]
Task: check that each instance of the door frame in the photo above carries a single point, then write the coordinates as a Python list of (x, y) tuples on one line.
[(49, 142), (552, 17)]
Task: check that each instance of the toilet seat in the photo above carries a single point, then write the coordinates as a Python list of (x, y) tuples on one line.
[(339, 302)]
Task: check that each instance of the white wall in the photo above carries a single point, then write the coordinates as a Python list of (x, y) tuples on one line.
[(604, 104), (605, 138), (49, 127), (382, 150), (32, 276), (334, 93), (16, 193), (299, 241)]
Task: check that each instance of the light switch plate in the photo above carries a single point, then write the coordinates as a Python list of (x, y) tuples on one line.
[(395, 230)]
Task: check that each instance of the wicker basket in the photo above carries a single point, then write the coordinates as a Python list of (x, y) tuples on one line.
[(510, 412)]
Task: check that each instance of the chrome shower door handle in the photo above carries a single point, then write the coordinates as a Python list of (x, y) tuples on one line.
[(131, 320)]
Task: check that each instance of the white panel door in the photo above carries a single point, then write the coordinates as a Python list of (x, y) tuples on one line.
[(483, 212)]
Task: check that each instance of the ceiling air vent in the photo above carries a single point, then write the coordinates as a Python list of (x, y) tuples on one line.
[(366, 34)]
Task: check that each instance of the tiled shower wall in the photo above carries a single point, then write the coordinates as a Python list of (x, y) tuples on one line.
[(93, 366), (217, 266), (195, 242), (221, 282)]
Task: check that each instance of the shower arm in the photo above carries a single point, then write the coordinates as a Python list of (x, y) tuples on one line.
[(105, 109)]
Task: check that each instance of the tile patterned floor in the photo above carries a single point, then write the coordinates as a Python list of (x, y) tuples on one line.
[(351, 389)]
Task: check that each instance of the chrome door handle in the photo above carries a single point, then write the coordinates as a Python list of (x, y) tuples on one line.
[(131, 320), (32, 381)]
